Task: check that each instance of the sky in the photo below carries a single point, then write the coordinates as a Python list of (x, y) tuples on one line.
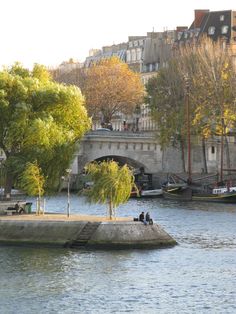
[(52, 31)]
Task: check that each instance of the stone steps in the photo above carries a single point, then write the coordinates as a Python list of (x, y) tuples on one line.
[(85, 235)]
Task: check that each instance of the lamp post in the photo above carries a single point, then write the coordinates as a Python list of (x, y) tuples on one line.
[(68, 171)]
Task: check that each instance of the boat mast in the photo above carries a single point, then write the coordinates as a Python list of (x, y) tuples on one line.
[(222, 150), (188, 128)]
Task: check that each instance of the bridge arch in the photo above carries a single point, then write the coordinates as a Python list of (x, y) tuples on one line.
[(137, 150), (122, 160)]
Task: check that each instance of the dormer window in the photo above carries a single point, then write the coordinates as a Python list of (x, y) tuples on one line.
[(140, 42), (224, 29), (211, 30), (222, 18)]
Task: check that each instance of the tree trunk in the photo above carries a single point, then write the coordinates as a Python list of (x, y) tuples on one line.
[(110, 210), (205, 170), (228, 165), (8, 183)]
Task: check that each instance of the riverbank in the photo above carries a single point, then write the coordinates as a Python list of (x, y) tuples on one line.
[(81, 231)]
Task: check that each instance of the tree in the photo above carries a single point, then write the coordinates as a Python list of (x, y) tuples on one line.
[(213, 89), (165, 94), (112, 184), (209, 70), (39, 120), (110, 88), (32, 181)]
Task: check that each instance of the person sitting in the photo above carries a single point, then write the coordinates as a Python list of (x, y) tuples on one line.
[(141, 217), (17, 207), (147, 218)]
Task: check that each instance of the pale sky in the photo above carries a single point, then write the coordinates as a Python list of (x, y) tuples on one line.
[(51, 31)]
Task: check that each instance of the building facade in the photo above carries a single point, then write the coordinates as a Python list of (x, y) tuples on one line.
[(149, 53)]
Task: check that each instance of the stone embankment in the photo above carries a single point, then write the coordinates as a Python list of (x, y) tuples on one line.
[(81, 231)]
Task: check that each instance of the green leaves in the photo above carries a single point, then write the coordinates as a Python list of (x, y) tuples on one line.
[(166, 99), (39, 118), (32, 180), (112, 184)]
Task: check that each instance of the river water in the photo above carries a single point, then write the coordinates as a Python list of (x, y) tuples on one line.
[(196, 276)]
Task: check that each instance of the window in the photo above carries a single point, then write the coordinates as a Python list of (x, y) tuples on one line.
[(128, 56), (140, 42), (139, 54), (130, 44), (133, 55), (136, 43), (213, 149), (224, 29), (211, 30), (222, 18)]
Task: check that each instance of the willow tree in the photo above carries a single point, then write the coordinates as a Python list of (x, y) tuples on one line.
[(39, 120), (111, 88), (165, 95), (112, 184), (32, 181)]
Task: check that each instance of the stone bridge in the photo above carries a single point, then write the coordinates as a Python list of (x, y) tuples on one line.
[(142, 150), (135, 149)]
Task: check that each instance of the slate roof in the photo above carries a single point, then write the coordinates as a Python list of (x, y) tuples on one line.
[(219, 21)]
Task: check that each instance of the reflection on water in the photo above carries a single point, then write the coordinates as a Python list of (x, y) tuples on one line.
[(196, 276)]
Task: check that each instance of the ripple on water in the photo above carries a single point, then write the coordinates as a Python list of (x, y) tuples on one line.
[(196, 276)]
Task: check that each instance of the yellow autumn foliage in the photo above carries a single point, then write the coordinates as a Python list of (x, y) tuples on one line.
[(110, 87)]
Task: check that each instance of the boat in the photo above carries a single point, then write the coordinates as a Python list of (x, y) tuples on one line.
[(151, 193), (146, 192), (191, 190), (145, 186), (192, 193)]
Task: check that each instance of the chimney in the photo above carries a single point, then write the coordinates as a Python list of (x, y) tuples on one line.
[(198, 17), (181, 28)]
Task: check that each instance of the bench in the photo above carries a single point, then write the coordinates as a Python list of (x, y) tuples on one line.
[(10, 210)]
